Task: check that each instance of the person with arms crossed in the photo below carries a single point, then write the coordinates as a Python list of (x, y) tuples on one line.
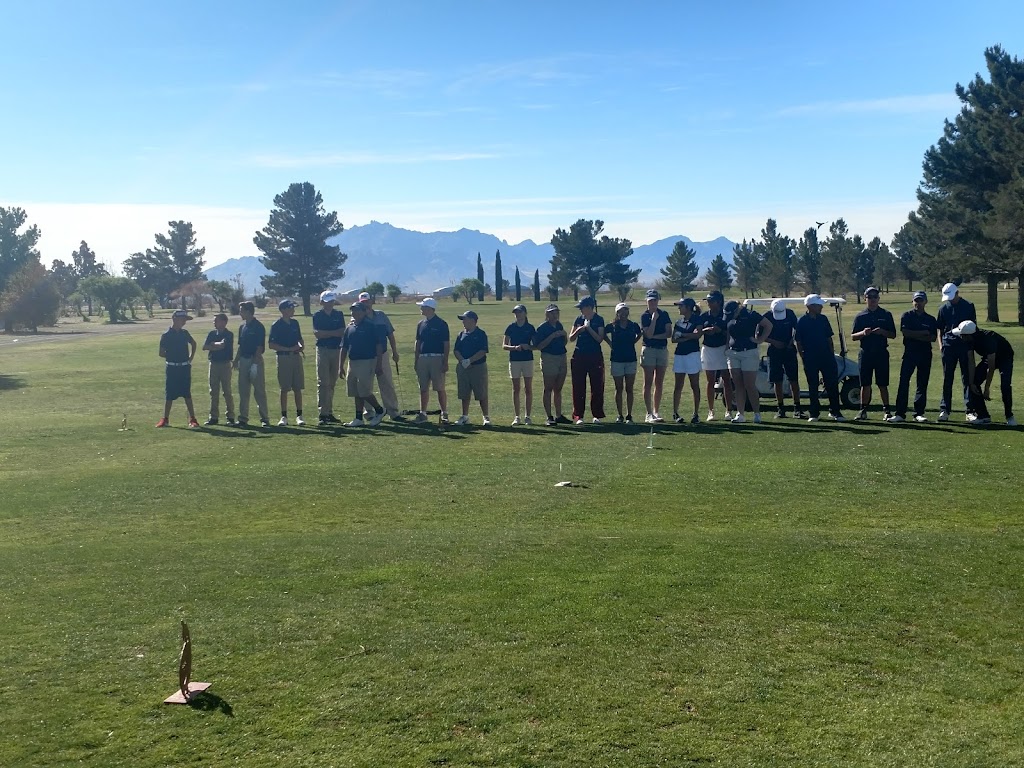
[(220, 343), (550, 342), (817, 352), (873, 327), (747, 329), (782, 358), (362, 347), (954, 350), (433, 345), (712, 353), (286, 340), (177, 347), (622, 336), (587, 361), (328, 328), (686, 362), (471, 375), (252, 340), (518, 343), (919, 330), (657, 329)]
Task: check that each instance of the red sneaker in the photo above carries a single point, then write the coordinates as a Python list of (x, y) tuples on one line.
[(162, 423), (193, 424)]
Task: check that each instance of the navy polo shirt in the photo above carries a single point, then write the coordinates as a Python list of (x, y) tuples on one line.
[(222, 354), (286, 333), (782, 330), (688, 346), (468, 343), (520, 334), (334, 321), (660, 326), (880, 318), (623, 341), (432, 335), (175, 345), (986, 343), (813, 334), (950, 316), (251, 336), (585, 343), (545, 329), (363, 341), (919, 321), (708, 320), (742, 329)]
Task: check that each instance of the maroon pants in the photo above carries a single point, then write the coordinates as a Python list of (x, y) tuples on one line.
[(581, 367)]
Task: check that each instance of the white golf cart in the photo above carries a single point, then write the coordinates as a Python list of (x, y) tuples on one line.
[(849, 370)]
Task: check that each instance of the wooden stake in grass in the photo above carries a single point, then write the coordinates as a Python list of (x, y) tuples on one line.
[(186, 688)]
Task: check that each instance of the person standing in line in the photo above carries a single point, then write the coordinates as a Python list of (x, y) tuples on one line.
[(919, 330), (587, 361), (873, 327), (177, 347), (622, 336), (954, 350), (686, 362), (433, 345), (747, 329), (518, 342), (782, 358), (712, 353), (550, 342), (385, 379), (220, 343), (362, 347), (996, 355), (286, 340), (471, 352), (817, 352), (252, 340), (328, 328), (657, 328)]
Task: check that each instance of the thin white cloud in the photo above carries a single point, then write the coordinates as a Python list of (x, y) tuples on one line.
[(330, 159), (930, 103)]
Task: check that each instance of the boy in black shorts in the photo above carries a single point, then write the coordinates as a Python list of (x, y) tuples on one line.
[(177, 347)]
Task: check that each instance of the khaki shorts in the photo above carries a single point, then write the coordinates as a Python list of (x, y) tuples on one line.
[(429, 371), (290, 373), (472, 381), (713, 359), (623, 369), (361, 375), (520, 369), (654, 357), (553, 366), (745, 360)]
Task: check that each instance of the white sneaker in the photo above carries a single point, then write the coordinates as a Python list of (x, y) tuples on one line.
[(649, 418), (1011, 422), (739, 418), (976, 422), (711, 416), (578, 422), (356, 423), (895, 419), (528, 421), (376, 419), (597, 420), (462, 421), (283, 422), (838, 417), (487, 421), (299, 421), (421, 418), (757, 418), (516, 421), (812, 418), (970, 418), (943, 415), (657, 418), (921, 419)]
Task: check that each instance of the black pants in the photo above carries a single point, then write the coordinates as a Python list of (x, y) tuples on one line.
[(825, 369), (954, 354), (977, 403), (921, 364)]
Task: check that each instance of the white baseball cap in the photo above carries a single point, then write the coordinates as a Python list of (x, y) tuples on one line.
[(949, 290), (427, 302), (364, 296), (812, 299), (779, 309), (966, 328), (621, 305), (327, 296)]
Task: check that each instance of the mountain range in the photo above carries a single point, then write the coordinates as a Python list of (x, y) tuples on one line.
[(421, 262)]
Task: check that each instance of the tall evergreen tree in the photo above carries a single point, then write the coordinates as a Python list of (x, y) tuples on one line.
[(519, 286), (174, 261), (536, 285), (583, 258), (681, 270), (719, 274), (863, 266), (480, 276), (499, 282), (86, 265), (295, 248), (808, 259), (904, 243), (838, 259), (745, 266), (774, 255), (16, 249)]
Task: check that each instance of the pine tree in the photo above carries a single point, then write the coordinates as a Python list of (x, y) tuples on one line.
[(519, 286), (582, 258), (480, 276), (536, 285), (681, 270), (774, 254), (719, 275), (745, 265), (808, 259), (499, 282)]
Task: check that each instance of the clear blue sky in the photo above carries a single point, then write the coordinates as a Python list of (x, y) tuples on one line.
[(700, 119)]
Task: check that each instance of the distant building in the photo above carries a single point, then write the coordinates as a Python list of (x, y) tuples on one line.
[(442, 293)]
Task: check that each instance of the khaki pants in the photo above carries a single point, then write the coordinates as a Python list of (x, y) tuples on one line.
[(326, 378), (258, 385), (386, 385), (220, 380)]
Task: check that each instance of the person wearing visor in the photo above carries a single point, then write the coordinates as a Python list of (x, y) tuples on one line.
[(686, 361), (714, 338), (919, 331), (747, 329), (622, 336), (587, 361)]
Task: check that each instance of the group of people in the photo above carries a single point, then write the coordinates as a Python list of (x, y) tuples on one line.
[(723, 342)]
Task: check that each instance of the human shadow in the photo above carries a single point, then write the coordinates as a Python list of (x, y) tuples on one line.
[(210, 702), (8, 382)]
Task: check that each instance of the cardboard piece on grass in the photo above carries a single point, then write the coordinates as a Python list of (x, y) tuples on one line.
[(187, 689)]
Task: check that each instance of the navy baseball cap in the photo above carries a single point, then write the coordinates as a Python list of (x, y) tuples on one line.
[(871, 289), (518, 308), (687, 302), (287, 304), (730, 307), (920, 295), (469, 314), (358, 306), (586, 301), (551, 308), (715, 296), (653, 294)]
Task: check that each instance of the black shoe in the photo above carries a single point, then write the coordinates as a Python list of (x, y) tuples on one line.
[(332, 419), (323, 421), (799, 414), (862, 415), (678, 419), (563, 420), (242, 423), (780, 414), (619, 419), (695, 419), (264, 423), (211, 422), (629, 418)]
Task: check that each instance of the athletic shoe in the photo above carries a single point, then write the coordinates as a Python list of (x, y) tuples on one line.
[(677, 418), (649, 418), (943, 415), (421, 418), (299, 421), (739, 418), (837, 417), (977, 422), (163, 423), (658, 419), (970, 418), (563, 419), (487, 421), (231, 423), (550, 422), (283, 422), (886, 415), (862, 415), (1011, 422), (376, 419), (516, 421), (323, 421), (356, 423), (800, 414), (444, 418), (757, 418), (193, 424), (812, 418), (895, 419), (462, 421), (619, 419), (242, 424), (711, 416), (578, 422), (695, 419), (921, 418), (394, 415), (211, 423), (780, 414), (629, 418), (528, 421), (597, 420), (264, 423)]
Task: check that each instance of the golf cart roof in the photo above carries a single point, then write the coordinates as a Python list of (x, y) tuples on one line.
[(830, 301)]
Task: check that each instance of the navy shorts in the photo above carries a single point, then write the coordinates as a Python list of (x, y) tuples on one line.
[(782, 361), (874, 366), (179, 382)]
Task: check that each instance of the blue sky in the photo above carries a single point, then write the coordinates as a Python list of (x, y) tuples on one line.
[(699, 119)]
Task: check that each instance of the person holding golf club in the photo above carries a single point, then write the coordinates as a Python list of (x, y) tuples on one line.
[(177, 348), (873, 327), (782, 358), (817, 352), (286, 340), (362, 346), (996, 354), (714, 337), (622, 336), (433, 346), (954, 351), (686, 362), (746, 329), (919, 330), (657, 329), (252, 341), (328, 328), (550, 342), (587, 361), (471, 374), (518, 342), (385, 379)]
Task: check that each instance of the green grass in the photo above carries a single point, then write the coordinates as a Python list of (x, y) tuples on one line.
[(788, 594)]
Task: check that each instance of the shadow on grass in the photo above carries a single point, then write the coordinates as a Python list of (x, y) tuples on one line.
[(8, 383), (211, 702)]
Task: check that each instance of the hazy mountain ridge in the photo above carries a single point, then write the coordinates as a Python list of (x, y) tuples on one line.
[(425, 261)]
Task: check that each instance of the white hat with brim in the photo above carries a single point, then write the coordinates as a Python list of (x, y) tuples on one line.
[(813, 299), (779, 309), (966, 328), (949, 290), (328, 296), (427, 302)]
